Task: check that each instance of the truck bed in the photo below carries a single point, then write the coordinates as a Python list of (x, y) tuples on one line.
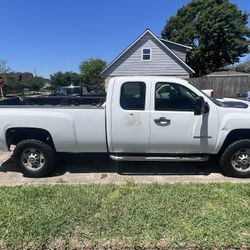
[(86, 102)]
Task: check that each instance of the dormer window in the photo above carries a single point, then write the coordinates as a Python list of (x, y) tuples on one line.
[(146, 54)]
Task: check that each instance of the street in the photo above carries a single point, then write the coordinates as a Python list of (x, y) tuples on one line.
[(87, 168)]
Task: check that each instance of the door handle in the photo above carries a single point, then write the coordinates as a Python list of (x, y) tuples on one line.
[(162, 121)]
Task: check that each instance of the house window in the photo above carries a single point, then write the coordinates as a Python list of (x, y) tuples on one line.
[(146, 54)]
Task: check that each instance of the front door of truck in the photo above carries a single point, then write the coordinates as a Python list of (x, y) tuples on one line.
[(130, 116), (173, 126)]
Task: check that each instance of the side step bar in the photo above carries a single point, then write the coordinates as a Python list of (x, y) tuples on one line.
[(159, 158)]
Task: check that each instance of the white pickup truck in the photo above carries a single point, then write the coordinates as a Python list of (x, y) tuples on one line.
[(143, 119)]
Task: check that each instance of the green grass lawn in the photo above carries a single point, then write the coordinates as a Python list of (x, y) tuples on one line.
[(131, 215)]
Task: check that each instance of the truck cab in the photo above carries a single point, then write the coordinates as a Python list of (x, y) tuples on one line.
[(160, 115)]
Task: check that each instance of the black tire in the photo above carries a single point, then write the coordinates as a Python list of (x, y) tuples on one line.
[(232, 159), (40, 158)]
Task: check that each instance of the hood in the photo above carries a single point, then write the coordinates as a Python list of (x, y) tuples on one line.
[(233, 103)]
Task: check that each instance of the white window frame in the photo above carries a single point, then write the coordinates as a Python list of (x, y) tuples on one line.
[(150, 54)]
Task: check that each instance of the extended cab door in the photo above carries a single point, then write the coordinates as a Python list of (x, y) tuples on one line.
[(128, 116), (173, 126)]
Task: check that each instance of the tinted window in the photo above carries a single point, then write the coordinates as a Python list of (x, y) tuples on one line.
[(133, 96), (76, 90), (60, 92), (171, 96), (243, 94)]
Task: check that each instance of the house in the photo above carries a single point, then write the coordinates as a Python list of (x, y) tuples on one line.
[(150, 55), (227, 73)]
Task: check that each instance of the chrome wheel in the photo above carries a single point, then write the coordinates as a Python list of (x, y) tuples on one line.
[(33, 159), (241, 160)]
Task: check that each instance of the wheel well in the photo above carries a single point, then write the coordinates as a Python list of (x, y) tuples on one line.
[(235, 135), (15, 135)]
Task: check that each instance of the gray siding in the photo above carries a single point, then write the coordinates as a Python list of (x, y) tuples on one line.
[(162, 61), (178, 50)]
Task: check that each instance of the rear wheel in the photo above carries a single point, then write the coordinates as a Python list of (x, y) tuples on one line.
[(34, 158), (235, 160)]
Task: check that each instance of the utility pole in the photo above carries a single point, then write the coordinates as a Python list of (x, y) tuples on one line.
[(1, 86), (1, 92)]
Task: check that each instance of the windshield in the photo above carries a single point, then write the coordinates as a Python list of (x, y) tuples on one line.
[(227, 104), (218, 103), (215, 101)]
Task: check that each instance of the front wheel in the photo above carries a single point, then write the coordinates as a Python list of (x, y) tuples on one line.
[(34, 158), (235, 160)]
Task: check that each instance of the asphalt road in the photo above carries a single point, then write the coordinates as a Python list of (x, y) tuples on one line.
[(87, 168)]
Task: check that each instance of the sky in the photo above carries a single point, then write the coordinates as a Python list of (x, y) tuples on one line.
[(47, 36)]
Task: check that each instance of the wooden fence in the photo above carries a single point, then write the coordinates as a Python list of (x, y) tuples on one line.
[(222, 86)]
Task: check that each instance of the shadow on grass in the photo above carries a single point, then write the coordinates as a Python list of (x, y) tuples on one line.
[(101, 163)]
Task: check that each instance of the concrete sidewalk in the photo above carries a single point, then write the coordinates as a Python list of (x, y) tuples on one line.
[(87, 168)]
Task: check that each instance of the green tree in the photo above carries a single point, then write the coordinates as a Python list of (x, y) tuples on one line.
[(36, 83), (60, 79), (10, 84), (243, 67), (4, 67), (90, 71), (216, 29)]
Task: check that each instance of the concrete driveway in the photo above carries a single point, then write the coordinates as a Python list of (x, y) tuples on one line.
[(87, 168)]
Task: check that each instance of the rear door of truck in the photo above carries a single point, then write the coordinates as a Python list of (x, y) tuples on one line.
[(128, 125)]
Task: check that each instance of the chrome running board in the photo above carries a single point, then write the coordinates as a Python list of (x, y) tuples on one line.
[(158, 158)]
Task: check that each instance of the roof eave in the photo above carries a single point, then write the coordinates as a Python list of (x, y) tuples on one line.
[(132, 44), (124, 51), (178, 44)]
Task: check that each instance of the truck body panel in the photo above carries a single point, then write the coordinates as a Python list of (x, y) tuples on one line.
[(128, 129), (133, 120), (186, 133), (72, 130)]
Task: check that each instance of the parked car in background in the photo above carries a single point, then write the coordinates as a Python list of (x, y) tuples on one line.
[(244, 95), (70, 91), (77, 91)]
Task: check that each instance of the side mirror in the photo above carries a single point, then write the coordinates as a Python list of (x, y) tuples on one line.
[(200, 106)]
